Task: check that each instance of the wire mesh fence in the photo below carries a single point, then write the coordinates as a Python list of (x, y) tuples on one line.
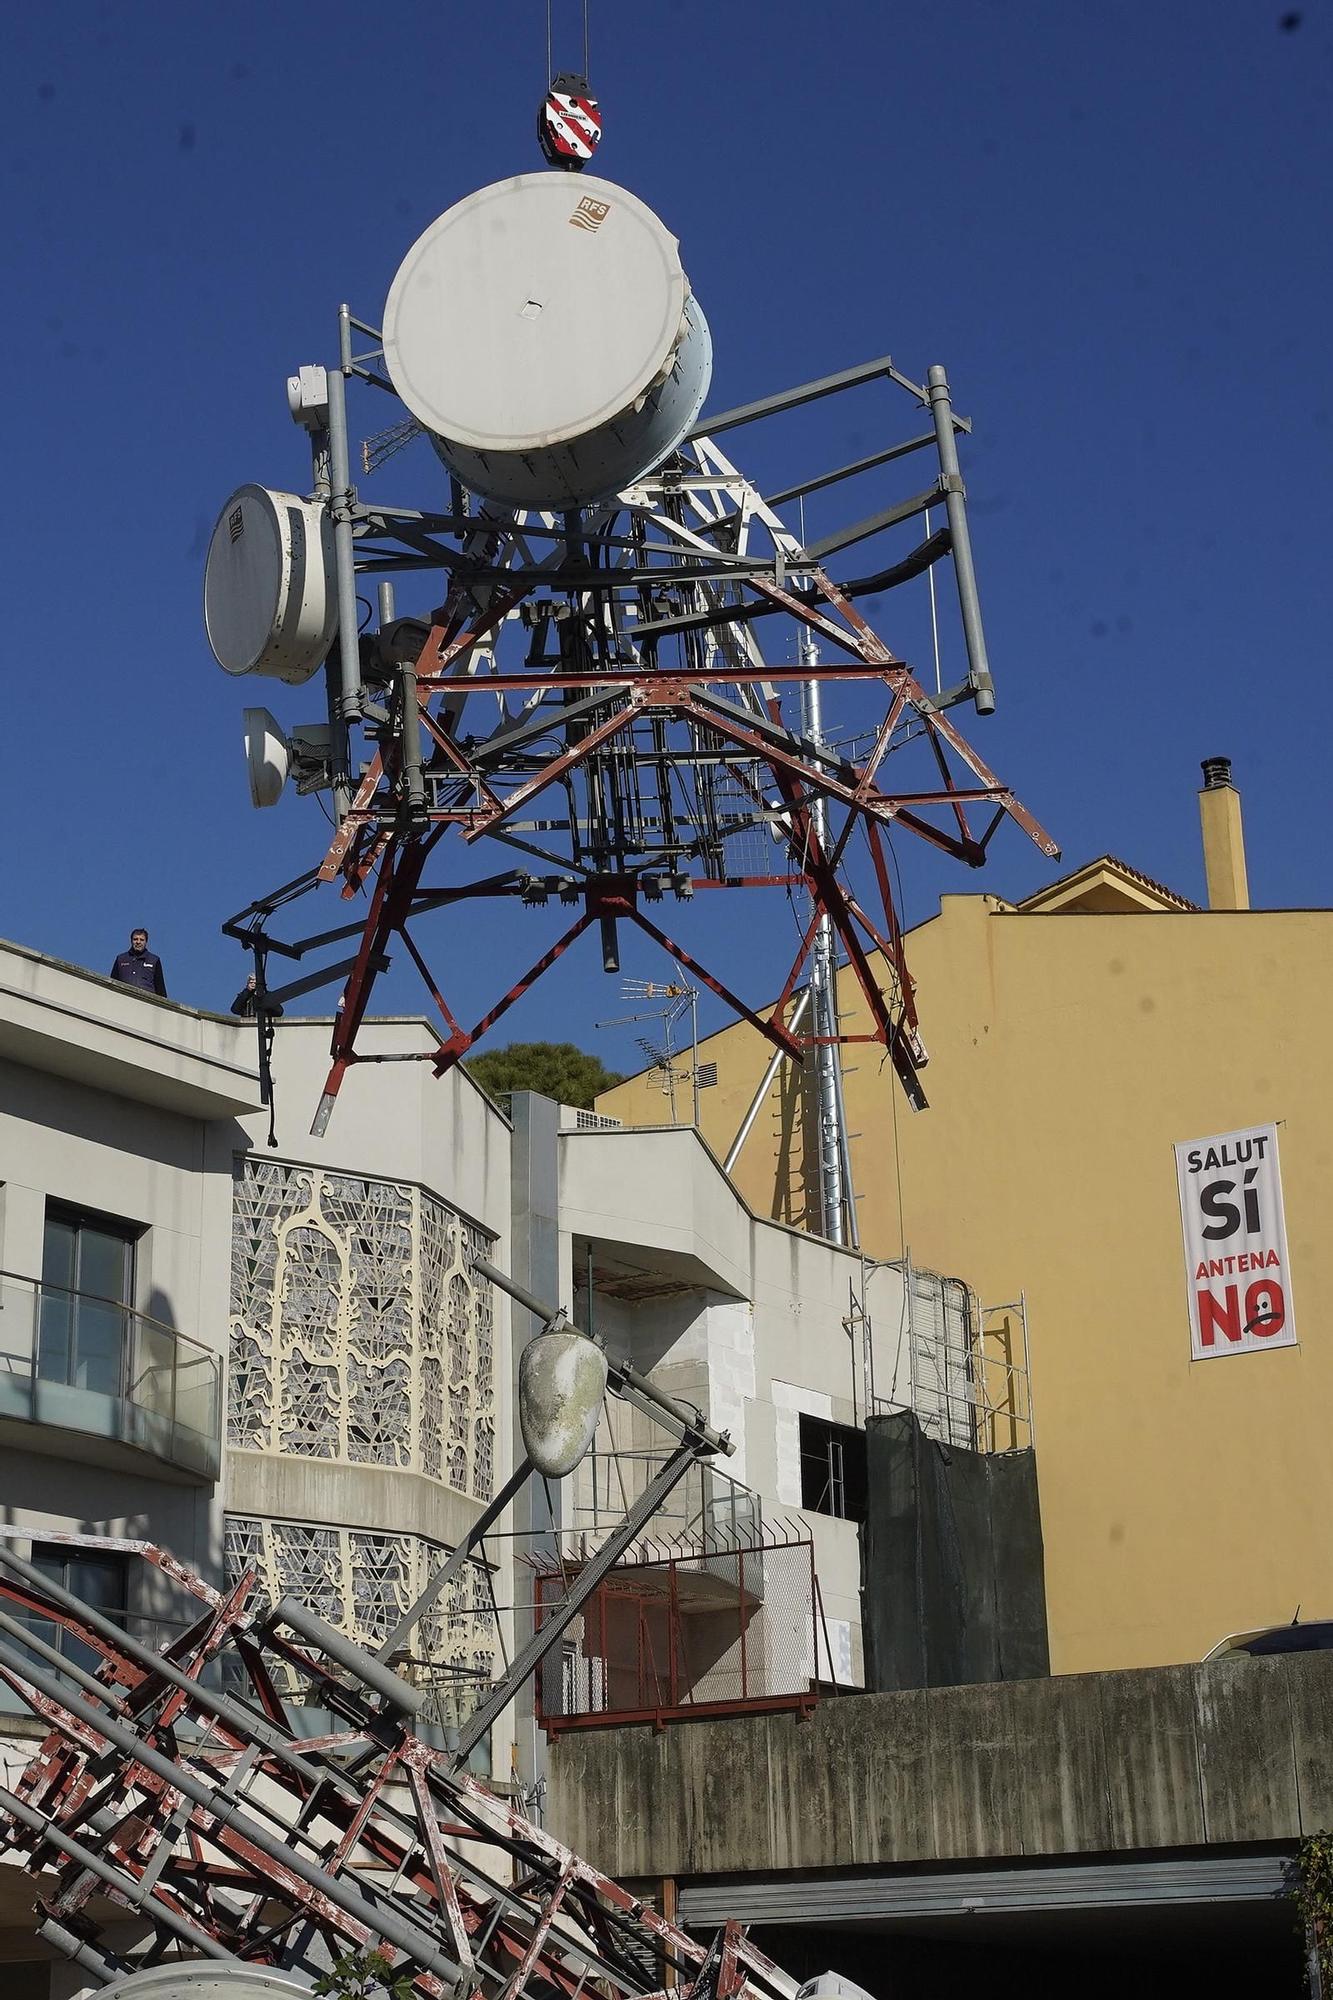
[(718, 1629)]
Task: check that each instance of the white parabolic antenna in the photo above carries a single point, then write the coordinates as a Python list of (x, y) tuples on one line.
[(270, 599), (209, 1981), (544, 333)]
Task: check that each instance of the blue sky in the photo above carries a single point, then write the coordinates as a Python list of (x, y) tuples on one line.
[(1110, 222)]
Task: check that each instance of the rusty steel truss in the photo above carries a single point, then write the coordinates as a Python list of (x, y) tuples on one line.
[(172, 1789), (592, 695)]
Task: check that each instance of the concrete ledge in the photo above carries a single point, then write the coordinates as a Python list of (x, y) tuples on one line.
[(379, 1497), (1233, 1752), (70, 1022)]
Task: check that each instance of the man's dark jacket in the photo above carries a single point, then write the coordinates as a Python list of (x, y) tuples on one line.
[(142, 969)]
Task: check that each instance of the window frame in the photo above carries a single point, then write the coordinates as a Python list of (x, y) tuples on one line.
[(824, 1452), (69, 1556), (78, 1218)]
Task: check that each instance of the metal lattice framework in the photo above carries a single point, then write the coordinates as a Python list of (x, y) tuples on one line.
[(199, 1812), (363, 1581), (592, 695), (360, 1332)]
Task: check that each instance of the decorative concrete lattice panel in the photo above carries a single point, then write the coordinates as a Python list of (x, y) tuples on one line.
[(362, 1581), (360, 1333)]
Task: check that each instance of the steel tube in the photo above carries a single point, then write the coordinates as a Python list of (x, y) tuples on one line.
[(88, 1956), (627, 1381), (519, 1293), (224, 1812), (548, 1634), (97, 1689), (690, 1422), (414, 782), (341, 502), (457, 1557), (823, 989), (243, 1720), (126, 1887), (790, 399), (382, 1680), (848, 1185), (969, 604)]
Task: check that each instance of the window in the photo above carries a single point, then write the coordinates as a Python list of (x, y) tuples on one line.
[(833, 1469), (97, 1578), (87, 1287)]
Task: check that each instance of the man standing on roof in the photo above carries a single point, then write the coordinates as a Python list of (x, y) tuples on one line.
[(140, 967)]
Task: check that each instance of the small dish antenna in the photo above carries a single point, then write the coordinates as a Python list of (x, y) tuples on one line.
[(270, 601), (272, 756)]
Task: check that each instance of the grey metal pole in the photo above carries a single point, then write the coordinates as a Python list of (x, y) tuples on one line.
[(969, 604), (87, 1956), (321, 489), (694, 1045), (823, 974), (414, 783), (235, 1714), (691, 1424), (548, 1634), (341, 502), (124, 1884), (450, 1568), (381, 1680), (845, 1140), (778, 1057)]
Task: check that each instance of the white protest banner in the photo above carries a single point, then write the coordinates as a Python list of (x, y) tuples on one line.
[(1236, 1267)]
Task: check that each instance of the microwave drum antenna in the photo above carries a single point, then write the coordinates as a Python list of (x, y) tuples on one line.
[(544, 333), (270, 601)]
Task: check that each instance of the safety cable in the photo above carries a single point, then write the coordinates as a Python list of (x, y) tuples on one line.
[(550, 61)]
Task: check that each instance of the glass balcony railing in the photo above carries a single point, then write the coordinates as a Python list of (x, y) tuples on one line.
[(76, 1362)]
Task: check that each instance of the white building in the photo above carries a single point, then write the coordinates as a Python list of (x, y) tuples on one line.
[(283, 1358)]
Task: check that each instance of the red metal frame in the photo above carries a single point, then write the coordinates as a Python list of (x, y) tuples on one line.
[(178, 1804), (395, 855), (664, 1689)]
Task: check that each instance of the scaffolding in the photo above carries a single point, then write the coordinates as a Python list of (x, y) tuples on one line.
[(962, 1367)]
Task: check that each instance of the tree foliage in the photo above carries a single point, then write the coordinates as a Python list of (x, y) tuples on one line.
[(1312, 1891), (362, 1975), (556, 1069)]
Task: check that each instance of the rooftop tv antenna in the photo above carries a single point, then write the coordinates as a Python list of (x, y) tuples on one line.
[(576, 680), (663, 1056)]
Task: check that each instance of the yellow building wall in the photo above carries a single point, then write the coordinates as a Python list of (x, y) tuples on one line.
[(1181, 1500)]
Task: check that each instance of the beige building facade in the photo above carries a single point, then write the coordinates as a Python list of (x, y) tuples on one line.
[(1075, 1039)]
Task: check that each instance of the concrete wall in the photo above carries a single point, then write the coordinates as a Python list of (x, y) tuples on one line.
[(748, 1324), (1180, 1501), (366, 1274), (141, 1109), (394, 1122), (123, 1105), (1236, 1751)]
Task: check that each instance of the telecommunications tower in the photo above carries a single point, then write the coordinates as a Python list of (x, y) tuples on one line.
[(593, 650), (573, 654)]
